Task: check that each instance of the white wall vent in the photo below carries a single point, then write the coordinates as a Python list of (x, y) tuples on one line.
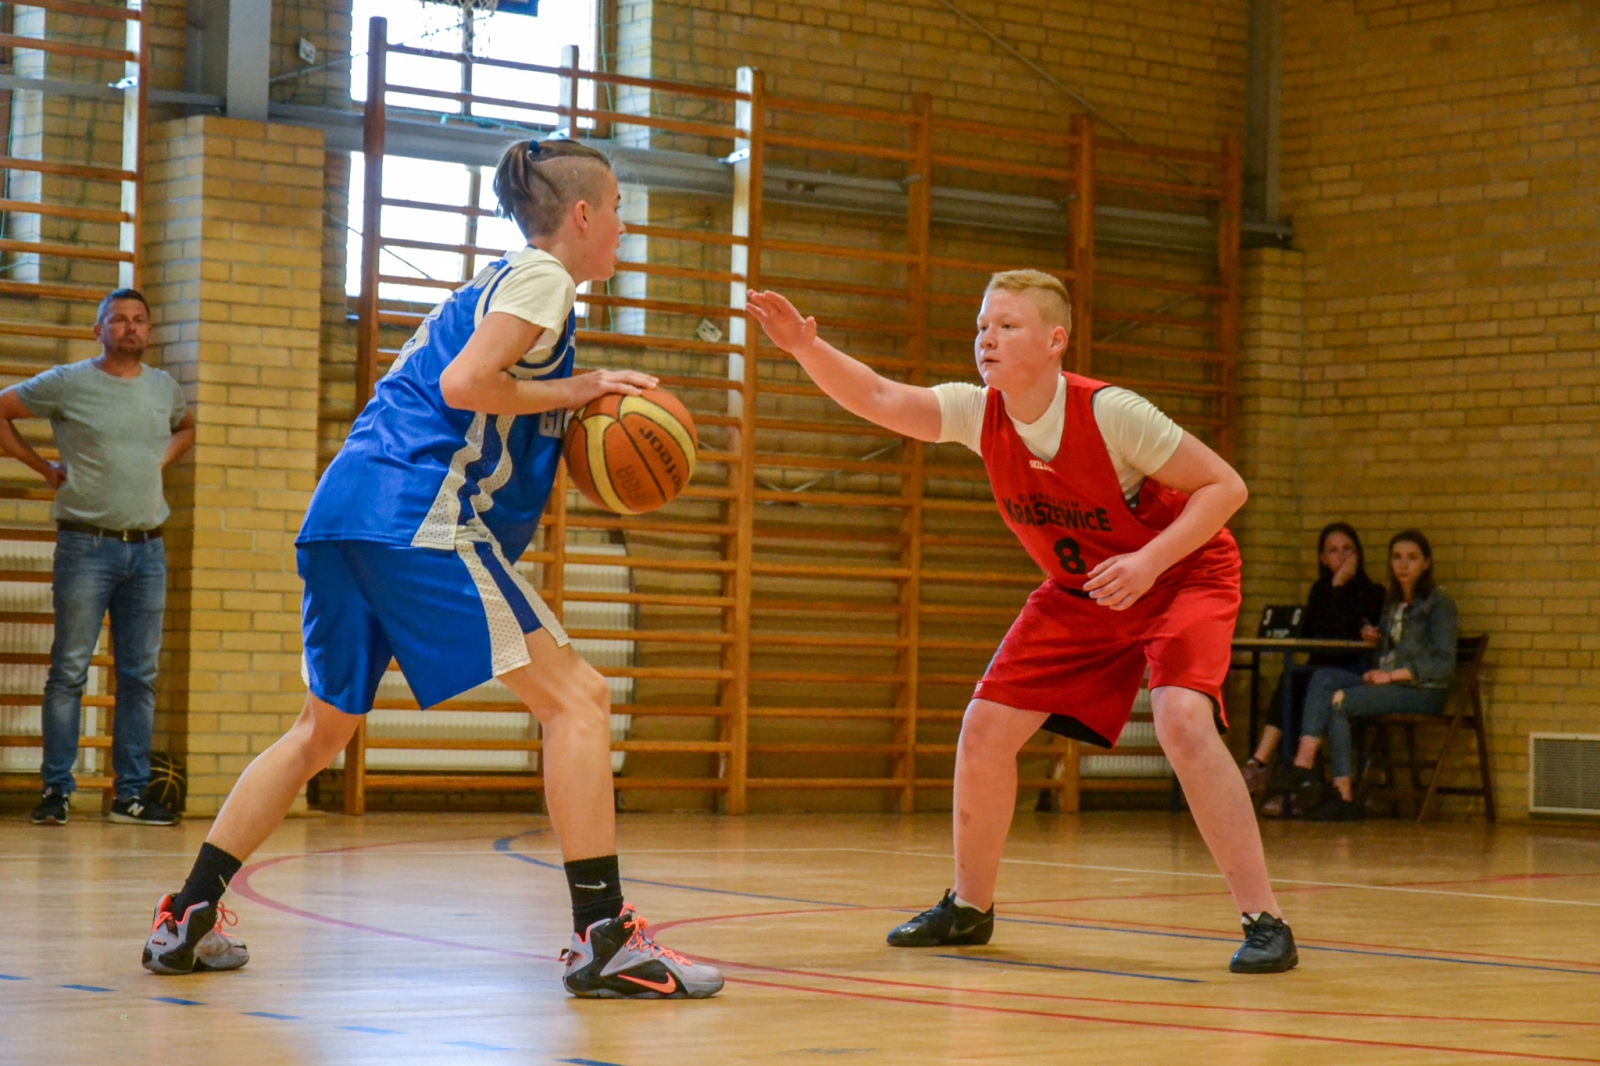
[(1563, 773)]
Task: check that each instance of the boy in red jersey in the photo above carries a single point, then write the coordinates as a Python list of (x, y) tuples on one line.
[(1125, 513)]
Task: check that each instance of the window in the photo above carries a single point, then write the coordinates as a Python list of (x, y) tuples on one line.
[(503, 35)]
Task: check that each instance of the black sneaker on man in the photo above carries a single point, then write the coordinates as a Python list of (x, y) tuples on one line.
[(52, 809), (945, 924), (1268, 946), (137, 810)]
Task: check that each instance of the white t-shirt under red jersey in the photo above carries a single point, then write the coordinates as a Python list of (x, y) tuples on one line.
[(1139, 438)]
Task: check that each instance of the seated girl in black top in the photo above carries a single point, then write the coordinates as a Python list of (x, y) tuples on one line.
[(1344, 604)]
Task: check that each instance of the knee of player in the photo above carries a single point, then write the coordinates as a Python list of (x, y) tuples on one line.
[(589, 702), (980, 738), (1184, 735)]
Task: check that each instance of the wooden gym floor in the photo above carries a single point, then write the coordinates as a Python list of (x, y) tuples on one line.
[(423, 938)]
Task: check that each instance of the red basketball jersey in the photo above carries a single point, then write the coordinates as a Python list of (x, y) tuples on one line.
[(1070, 512)]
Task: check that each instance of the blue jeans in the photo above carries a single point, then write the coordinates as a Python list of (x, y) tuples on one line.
[(93, 575), (1322, 718)]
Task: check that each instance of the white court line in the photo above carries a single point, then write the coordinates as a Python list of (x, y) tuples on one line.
[(1126, 870)]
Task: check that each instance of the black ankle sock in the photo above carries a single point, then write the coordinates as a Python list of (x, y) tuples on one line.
[(596, 889), (213, 869)]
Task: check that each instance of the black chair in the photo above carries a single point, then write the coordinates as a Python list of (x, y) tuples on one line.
[(1464, 710)]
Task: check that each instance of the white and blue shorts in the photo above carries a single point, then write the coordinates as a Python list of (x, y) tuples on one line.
[(452, 619)]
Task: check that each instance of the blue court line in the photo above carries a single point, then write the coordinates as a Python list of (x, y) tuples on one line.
[(1074, 969), (503, 845), (270, 1014), (372, 1030), (474, 1045), (1312, 947), (11, 977), (588, 1062), (88, 988), (175, 1001)]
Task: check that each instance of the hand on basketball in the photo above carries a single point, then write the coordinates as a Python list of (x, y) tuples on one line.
[(592, 384), (1119, 581), (781, 320)]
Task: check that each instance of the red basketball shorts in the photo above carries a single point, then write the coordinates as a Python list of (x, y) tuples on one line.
[(1082, 663)]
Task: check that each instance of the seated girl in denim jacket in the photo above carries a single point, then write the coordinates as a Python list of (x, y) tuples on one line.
[(1416, 659)]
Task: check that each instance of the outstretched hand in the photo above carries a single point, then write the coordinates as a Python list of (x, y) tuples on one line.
[(780, 320)]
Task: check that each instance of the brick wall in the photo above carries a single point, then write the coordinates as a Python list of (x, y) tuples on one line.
[(1439, 163), (235, 231)]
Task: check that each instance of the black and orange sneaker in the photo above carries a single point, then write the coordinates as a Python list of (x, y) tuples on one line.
[(194, 942), (616, 959), (944, 924)]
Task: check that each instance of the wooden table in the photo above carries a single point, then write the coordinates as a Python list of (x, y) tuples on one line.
[(1288, 647)]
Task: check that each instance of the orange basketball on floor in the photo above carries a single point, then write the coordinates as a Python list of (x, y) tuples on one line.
[(631, 454)]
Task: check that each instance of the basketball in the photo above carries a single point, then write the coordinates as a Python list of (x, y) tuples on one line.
[(631, 454), (169, 784)]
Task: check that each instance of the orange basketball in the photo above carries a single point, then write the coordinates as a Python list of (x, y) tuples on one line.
[(631, 454)]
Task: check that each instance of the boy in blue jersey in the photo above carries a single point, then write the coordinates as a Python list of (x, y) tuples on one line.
[(412, 534)]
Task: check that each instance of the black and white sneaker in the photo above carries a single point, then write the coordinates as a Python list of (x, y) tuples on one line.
[(1268, 946), (138, 811), (616, 959), (52, 809), (945, 924)]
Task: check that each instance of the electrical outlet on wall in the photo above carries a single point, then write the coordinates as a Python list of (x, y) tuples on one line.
[(308, 52)]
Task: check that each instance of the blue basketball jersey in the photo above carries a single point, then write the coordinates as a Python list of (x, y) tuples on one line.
[(415, 471)]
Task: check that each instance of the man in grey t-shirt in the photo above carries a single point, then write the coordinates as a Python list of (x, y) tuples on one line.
[(117, 423)]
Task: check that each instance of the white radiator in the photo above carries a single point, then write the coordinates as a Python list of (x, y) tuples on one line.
[(1134, 735), (1563, 773)]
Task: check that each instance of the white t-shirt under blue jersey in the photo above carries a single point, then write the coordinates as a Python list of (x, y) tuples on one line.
[(415, 471)]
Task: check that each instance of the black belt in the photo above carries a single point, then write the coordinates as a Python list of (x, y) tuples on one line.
[(127, 536)]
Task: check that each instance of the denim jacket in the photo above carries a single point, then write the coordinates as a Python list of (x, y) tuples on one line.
[(1427, 644)]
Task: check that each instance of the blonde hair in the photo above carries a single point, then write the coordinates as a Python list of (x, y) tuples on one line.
[(1045, 290), (537, 182)]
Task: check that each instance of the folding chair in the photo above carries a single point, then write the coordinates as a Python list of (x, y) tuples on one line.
[(1464, 709)]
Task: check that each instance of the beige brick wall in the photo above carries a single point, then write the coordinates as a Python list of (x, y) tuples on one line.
[(1170, 71), (235, 229), (1439, 163)]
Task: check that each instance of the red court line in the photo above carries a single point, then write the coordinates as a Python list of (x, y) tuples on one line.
[(1360, 1015), (241, 885), (1155, 1003), (1179, 1026), (249, 893)]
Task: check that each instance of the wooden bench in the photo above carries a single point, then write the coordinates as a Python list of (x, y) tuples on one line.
[(1464, 710)]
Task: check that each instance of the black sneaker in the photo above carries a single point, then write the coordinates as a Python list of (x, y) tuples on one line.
[(138, 811), (1334, 809), (52, 809), (1268, 947), (1303, 786), (947, 923)]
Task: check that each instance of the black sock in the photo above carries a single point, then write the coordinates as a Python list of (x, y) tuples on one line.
[(596, 889), (213, 869)]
